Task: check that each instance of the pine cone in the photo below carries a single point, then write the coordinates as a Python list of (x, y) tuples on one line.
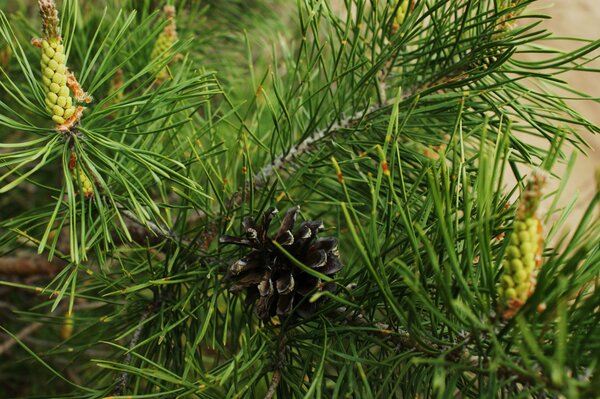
[(270, 278)]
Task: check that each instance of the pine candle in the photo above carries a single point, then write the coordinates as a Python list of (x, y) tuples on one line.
[(53, 64), (80, 177), (401, 12), (54, 78), (524, 254), (165, 40)]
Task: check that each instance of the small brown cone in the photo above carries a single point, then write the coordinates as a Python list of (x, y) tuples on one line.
[(270, 278)]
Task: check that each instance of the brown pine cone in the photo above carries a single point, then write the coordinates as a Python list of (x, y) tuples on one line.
[(270, 279)]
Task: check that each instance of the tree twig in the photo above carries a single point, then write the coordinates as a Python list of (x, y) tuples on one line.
[(276, 377), (121, 382), (262, 178), (10, 342), (29, 265), (403, 341)]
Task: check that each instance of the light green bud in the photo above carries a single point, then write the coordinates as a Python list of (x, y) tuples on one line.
[(507, 281), (513, 251), (520, 276), (524, 236), (526, 248), (69, 112), (514, 239), (522, 290), (54, 88), (57, 78), (529, 265), (58, 110), (60, 58), (510, 293), (52, 97), (64, 91), (516, 265), (48, 72), (61, 101), (58, 119), (49, 52)]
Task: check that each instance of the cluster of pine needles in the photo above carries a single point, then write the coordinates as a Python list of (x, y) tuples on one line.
[(360, 157)]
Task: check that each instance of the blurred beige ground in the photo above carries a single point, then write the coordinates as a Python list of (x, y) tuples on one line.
[(579, 18)]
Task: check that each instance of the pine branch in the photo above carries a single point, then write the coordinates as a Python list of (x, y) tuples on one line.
[(29, 265), (26, 331), (121, 382), (154, 229), (403, 341), (274, 384), (276, 377), (262, 177)]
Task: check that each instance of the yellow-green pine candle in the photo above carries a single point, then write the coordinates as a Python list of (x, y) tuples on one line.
[(400, 15), (166, 39), (523, 254), (66, 330), (116, 85), (80, 178), (54, 70), (86, 185), (5, 55)]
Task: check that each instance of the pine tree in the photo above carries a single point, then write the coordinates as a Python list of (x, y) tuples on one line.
[(139, 138)]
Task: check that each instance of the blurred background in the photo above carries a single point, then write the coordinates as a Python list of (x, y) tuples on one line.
[(578, 18)]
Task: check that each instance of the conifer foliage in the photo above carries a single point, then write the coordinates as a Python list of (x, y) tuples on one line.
[(138, 139)]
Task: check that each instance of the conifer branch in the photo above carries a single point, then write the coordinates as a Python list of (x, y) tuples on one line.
[(28, 265), (279, 364), (121, 382), (148, 231), (26, 331), (457, 354), (262, 177)]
